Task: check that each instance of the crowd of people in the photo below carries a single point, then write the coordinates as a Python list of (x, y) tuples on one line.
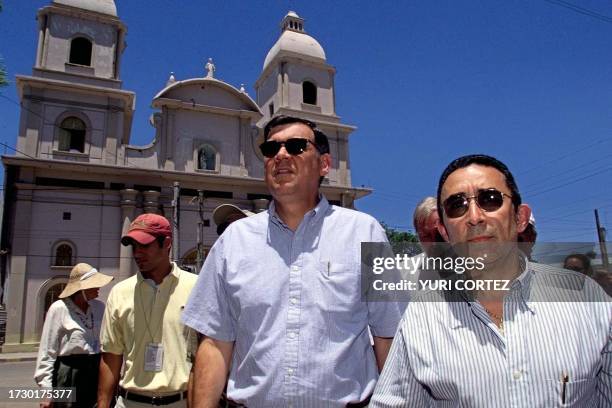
[(277, 315)]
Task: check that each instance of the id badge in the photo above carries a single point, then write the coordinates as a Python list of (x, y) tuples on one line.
[(154, 357)]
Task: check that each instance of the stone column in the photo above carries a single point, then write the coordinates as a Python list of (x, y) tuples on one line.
[(260, 205), (128, 211), (150, 201), (16, 291)]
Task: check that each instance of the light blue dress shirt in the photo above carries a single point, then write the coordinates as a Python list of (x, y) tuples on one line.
[(291, 302), (451, 354)]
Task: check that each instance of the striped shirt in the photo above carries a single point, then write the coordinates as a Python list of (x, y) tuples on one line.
[(450, 353), (290, 301)]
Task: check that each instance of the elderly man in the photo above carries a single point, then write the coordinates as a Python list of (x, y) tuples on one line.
[(142, 330), (520, 347), (279, 298), (425, 220)]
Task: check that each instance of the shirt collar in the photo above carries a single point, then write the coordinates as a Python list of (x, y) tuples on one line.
[(316, 213), (174, 274), (521, 284)]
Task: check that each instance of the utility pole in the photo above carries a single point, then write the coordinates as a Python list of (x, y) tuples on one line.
[(176, 206), (601, 234), (200, 232)]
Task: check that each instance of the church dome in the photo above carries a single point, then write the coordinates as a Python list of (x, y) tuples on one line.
[(99, 6), (294, 40)]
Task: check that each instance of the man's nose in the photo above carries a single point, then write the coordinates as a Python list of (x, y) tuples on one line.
[(475, 213), (282, 153)]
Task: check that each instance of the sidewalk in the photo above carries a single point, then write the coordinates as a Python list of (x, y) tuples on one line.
[(15, 357)]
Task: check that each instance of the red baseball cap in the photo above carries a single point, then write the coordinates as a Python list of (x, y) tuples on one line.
[(146, 228)]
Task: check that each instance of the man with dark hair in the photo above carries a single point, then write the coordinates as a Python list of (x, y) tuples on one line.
[(539, 337), (225, 214), (278, 299), (141, 330)]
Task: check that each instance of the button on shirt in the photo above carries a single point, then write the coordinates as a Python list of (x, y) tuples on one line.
[(291, 302), (452, 354)]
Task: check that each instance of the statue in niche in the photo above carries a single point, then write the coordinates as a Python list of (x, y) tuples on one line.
[(206, 158)]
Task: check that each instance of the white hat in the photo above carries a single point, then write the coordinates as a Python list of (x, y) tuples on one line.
[(223, 211)]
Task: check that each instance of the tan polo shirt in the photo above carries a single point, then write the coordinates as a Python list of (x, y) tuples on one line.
[(138, 315)]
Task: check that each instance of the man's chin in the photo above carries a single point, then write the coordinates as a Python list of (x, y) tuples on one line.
[(489, 251)]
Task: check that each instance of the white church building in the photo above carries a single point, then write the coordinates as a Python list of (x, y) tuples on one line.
[(77, 182)]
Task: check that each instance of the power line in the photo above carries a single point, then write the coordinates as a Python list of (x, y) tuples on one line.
[(526, 187), (600, 171), (581, 10), (57, 127), (16, 150)]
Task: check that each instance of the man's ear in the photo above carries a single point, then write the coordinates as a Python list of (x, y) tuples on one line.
[(522, 217), (325, 164), (442, 230)]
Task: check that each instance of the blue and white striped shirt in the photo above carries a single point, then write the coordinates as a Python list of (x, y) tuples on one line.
[(290, 302), (451, 354)]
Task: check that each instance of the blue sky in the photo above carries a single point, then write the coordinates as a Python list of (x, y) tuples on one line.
[(527, 81)]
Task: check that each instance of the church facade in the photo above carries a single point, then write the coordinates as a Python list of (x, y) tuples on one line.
[(76, 182)]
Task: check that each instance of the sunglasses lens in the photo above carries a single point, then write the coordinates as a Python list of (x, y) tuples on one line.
[(456, 205), (296, 146), (270, 148), (490, 200)]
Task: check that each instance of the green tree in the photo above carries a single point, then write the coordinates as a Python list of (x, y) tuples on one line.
[(394, 236)]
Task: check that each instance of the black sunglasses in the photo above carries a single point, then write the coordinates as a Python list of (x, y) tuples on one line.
[(489, 200), (294, 146)]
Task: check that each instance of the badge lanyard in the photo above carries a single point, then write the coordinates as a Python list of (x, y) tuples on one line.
[(154, 352)]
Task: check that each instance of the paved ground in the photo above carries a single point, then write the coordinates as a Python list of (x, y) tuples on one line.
[(14, 375), (15, 357)]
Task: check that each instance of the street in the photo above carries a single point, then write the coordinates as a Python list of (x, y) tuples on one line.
[(16, 375)]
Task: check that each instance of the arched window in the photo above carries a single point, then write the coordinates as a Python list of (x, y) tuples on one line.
[(207, 158), (72, 135), (52, 295), (63, 255), (309, 93), (190, 260), (80, 51)]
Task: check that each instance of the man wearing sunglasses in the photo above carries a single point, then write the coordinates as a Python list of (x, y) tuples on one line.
[(278, 299), (543, 342)]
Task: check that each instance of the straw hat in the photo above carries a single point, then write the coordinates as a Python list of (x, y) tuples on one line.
[(84, 276)]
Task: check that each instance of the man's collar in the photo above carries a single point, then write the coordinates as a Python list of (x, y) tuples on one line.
[(521, 284), (174, 272), (316, 213)]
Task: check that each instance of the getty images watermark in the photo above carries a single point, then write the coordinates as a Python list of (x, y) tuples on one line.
[(396, 272), (413, 264)]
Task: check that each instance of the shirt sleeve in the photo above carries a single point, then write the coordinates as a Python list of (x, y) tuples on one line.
[(383, 314), (49, 346), (111, 338), (604, 381), (208, 309), (397, 385)]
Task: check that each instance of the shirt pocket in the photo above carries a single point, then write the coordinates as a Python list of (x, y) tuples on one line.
[(577, 393), (339, 286)]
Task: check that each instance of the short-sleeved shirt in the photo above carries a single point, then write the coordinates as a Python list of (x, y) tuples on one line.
[(290, 301), (138, 314)]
